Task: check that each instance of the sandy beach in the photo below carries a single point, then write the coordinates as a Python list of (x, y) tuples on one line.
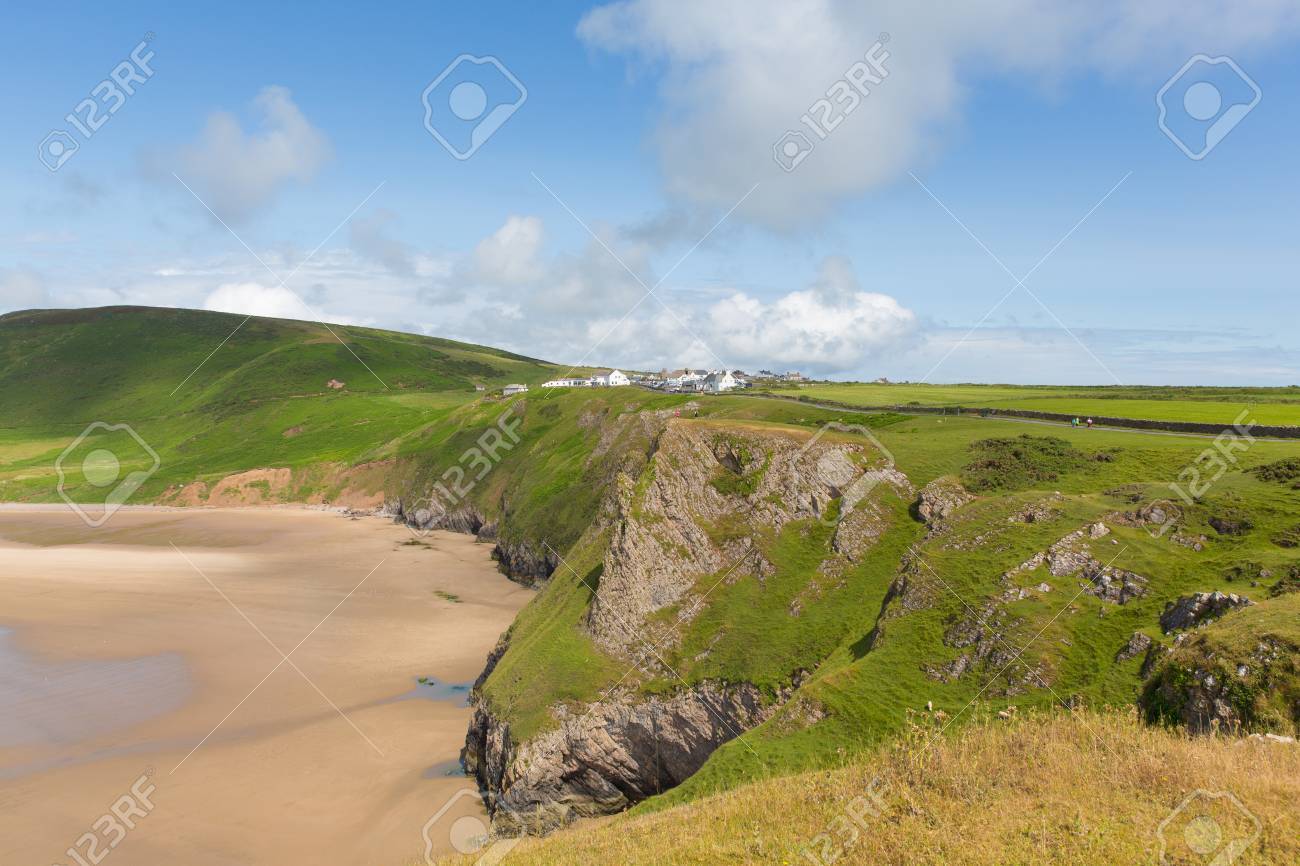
[(152, 648)]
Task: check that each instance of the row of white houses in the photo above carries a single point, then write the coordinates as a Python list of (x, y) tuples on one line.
[(710, 381), (676, 380), (600, 379)]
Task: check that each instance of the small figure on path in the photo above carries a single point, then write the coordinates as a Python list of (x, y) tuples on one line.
[(1089, 423)]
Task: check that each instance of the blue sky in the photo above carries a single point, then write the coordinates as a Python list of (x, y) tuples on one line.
[(991, 139)]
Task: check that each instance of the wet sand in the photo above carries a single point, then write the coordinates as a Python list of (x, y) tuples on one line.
[(119, 656)]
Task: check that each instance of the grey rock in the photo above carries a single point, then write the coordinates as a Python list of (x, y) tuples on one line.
[(939, 499), (1139, 643), (1280, 739), (1155, 654), (1190, 611), (661, 538), (606, 757)]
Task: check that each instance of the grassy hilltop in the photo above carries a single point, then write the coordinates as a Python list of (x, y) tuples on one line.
[(213, 400)]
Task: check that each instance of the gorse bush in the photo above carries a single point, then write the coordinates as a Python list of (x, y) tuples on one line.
[(1021, 462)]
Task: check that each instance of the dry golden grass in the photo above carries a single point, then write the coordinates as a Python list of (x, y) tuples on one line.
[(1083, 788)]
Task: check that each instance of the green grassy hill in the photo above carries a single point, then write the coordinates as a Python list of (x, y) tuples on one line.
[(213, 397)]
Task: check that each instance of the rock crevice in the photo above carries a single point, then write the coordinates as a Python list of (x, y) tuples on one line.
[(606, 756)]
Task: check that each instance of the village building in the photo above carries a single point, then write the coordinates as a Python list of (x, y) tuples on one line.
[(719, 381), (511, 390), (685, 380), (567, 383), (609, 379)]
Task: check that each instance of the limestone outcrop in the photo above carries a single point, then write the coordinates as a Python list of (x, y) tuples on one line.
[(689, 516), (605, 757), (665, 531), (1190, 611)]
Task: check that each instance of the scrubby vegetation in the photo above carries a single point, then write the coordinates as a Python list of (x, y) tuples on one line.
[(1019, 463), (1288, 537), (1287, 583), (1240, 672), (1281, 472)]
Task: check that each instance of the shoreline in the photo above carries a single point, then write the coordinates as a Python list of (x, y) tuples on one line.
[(329, 753)]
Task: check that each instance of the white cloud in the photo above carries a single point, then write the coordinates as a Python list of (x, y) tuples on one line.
[(509, 255), (255, 299), (833, 326), (238, 172), (584, 309), (22, 289), (736, 74)]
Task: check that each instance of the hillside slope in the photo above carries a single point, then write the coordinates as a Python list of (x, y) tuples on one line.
[(65, 366), (213, 396), (1085, 789), (726, 616)]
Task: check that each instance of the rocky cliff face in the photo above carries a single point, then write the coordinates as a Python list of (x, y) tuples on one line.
[(519, 560), (524, 561), (610, 755), (693, 514), (665, 529), (1072, 557)]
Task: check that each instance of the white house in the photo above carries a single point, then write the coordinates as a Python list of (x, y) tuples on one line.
[(720, 381), (609, 379), (511, 390), (684, 380), (566, 383)]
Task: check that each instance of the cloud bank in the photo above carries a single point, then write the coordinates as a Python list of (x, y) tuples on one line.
[(736, 74)]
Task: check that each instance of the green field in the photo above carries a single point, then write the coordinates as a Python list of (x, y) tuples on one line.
[(1272, 406)]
